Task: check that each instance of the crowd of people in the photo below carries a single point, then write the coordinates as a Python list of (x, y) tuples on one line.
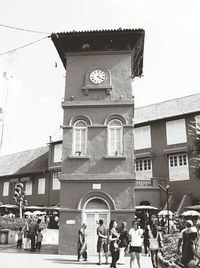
[(30, 237), (118, 241)]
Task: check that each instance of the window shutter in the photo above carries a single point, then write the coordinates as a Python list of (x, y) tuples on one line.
[(176, 131), (83, 141), (6, 188), (28, 187), (112, 141), (142, 137)]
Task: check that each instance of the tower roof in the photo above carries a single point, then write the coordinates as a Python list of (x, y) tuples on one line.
[(103, 40)]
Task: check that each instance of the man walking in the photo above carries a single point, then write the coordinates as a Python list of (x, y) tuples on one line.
[(102, 242), (32, 233)]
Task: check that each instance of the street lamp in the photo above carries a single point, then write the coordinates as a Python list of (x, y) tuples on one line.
[(166, 190)]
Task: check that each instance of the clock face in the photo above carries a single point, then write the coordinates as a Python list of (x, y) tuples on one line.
[(97, 76)]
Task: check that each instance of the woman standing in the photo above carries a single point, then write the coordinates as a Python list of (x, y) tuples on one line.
[(81, 245), (123, 242), (155, 243), (189, 253), (113, 238), (136, 243)]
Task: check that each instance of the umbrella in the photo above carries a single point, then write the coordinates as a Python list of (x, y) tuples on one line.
[(28, 213), (165, 212), (195, 207), (37, 212), (191, 213), (9, 206), (143, 207)]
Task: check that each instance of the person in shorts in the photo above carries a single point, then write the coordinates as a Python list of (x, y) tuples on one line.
[(135, 249), (102, 242)]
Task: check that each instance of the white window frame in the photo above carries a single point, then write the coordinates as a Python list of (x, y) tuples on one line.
[(178, 167), (6, 188), (57, 156), (55, 180), (142, 137), (41, 185), (176, 131), (28, 187), (143, 169), (116, 141), (81, 148)]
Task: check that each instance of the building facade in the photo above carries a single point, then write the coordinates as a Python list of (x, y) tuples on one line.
[(164, 135), (164, 141), (30, 168), (97, 174)]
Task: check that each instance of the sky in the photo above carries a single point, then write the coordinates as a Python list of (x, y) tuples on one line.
[(32, 79)]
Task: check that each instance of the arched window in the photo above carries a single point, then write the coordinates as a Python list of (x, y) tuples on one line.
[(115, 137), (79, 138)]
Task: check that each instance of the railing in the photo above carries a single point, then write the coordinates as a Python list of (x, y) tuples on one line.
[(153, 182)]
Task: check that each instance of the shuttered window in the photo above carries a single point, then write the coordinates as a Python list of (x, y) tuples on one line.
[(28, 187), (56, 182), (6, 188), (79, 138), (142, 137), (115, 138), (176, 131), (41, 186), (143, 169), (178, 167), (57, 153)]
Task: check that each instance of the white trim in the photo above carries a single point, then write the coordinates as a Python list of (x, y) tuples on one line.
[(109, 138), (41, 183), (176, 131), (178, 171), (140, 171), (75, 129), (6, 187), (95, 197), (28, 187), (142, 137)]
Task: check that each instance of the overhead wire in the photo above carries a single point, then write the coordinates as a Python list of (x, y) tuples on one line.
[(22, 29), (26, 45)]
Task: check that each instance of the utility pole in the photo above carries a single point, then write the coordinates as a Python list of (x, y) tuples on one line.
[(4, 101), (166, 190)]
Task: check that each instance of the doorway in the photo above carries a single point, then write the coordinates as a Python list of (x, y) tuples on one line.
[(95, 209)]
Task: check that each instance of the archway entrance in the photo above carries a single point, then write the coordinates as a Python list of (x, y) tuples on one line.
[(94, 210)]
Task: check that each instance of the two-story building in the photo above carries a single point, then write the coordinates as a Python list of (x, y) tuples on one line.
[(164, 147), (30, 168)]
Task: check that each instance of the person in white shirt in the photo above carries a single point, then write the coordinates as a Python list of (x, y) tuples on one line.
[(136, 243)]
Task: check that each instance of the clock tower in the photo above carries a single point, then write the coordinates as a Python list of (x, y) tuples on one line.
[(97, 177)]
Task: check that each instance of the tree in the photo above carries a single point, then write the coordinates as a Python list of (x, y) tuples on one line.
[(194, 131)]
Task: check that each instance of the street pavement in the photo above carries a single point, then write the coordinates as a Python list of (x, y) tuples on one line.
[(10, 257)]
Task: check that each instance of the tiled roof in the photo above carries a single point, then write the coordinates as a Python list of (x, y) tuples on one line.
[(102, 40), (30, 161), (97, 31), (167, 109)]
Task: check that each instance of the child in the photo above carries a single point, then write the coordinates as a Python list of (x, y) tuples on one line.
[(39, 238), (20, 236)]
